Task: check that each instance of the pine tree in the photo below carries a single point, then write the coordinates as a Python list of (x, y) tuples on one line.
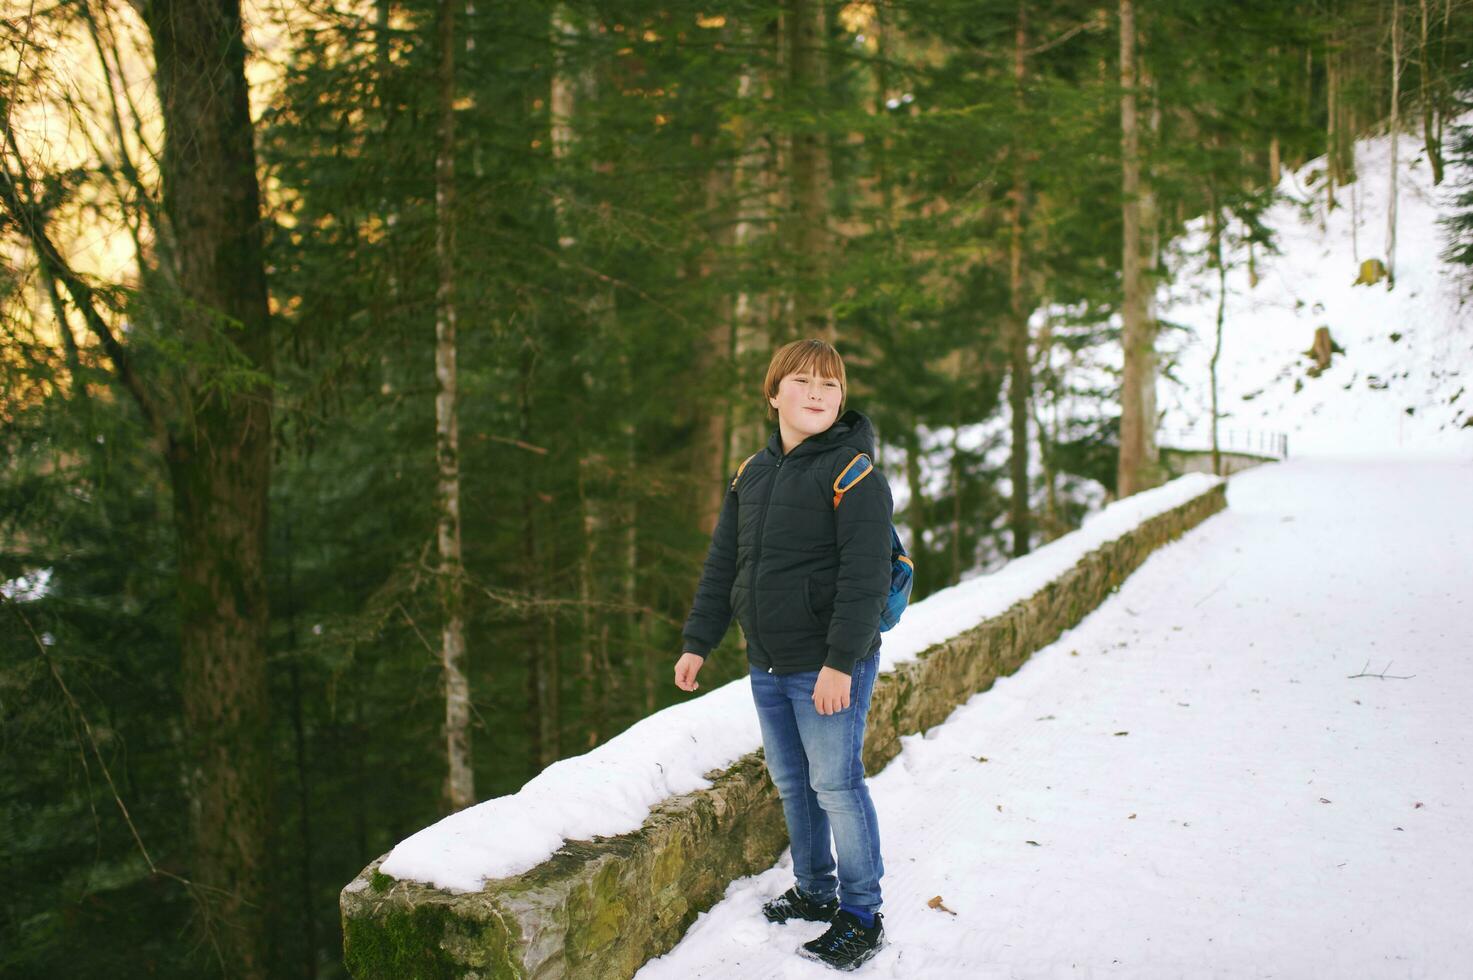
[(1458, 226)]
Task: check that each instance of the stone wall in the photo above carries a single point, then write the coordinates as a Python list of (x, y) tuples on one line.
[(602, 908), (1178, 462)]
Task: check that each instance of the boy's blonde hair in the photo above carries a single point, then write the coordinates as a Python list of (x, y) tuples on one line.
[(816, 356)]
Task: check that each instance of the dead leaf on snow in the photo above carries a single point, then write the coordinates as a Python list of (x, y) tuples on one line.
[(935, 903)]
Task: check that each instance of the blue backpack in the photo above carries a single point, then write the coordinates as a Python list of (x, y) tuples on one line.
[(902, 569)]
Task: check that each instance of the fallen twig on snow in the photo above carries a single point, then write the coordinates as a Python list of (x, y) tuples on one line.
[(1383, 675)]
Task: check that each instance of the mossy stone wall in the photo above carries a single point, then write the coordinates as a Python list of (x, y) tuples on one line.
[(600, 909)]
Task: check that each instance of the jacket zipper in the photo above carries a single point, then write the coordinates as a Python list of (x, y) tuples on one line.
[(757, 564)]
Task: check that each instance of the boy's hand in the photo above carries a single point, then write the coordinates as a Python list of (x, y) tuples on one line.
[(686, 669), (831, 693)]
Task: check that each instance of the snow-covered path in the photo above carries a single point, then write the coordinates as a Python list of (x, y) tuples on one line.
[(1188, 784)]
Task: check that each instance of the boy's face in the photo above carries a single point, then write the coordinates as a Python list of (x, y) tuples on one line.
[(807, 402)]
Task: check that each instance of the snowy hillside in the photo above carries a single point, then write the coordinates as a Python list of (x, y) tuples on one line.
[(1405, 381), (1403, 385)]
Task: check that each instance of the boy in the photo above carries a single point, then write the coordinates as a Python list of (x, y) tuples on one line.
[(807, 580)]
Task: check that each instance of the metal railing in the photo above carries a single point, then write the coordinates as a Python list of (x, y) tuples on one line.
[(1252, 442)]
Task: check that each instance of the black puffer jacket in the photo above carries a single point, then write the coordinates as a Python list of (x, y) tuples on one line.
[(805, 580)]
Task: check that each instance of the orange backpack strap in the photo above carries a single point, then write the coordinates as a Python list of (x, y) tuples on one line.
[(740, 468), (859, 467)]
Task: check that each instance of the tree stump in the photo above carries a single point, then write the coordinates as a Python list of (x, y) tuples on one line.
[(1322, 349), (1371, 272)]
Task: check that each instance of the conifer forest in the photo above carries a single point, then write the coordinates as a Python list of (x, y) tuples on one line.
[(372, 371)]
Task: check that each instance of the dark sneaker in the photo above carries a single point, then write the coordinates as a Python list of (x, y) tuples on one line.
[(793, 904), (847, 943)]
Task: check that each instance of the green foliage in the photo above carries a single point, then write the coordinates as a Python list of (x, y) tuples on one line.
[(88, 683), (1458, 226)]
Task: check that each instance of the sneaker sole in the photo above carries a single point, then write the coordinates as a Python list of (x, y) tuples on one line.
[(854, 965)]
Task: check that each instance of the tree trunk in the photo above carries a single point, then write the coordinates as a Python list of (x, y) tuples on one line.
[(1052, 523), (804, 31), (460, 791), (306, 916), (1138, 379), (594, 681), (1216, 247), (1020, 375), (1444, 84), (1332, 116), (762, 195), (219, 457), (1306, 104), (550, 715), (1150, 225), (1356, 196), (956, 505), (562, 102), (626, 512), (915, 509), (748, 173), (774, 305), (711, 415), (883, 182), (1428, 88), (1395, 128), (597, 679), (381, 302), (542, 734), (590, 701)]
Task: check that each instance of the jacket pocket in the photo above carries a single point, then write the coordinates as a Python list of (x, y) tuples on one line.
[(808, 601)]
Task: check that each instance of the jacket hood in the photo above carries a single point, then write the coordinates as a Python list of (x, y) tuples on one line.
[(852, 429)]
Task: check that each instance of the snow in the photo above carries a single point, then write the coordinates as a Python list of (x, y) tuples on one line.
[(1190, 782), (1405, 382), (611, 789), (28, 587)]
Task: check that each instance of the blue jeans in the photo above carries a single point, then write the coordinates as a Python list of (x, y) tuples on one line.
[(814, 761)]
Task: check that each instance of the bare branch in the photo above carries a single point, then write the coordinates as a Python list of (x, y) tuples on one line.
[(128, 171), (32, 224), (19, 60), (133, 112), (1095, 23), (1383, 675), (540, 450)]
